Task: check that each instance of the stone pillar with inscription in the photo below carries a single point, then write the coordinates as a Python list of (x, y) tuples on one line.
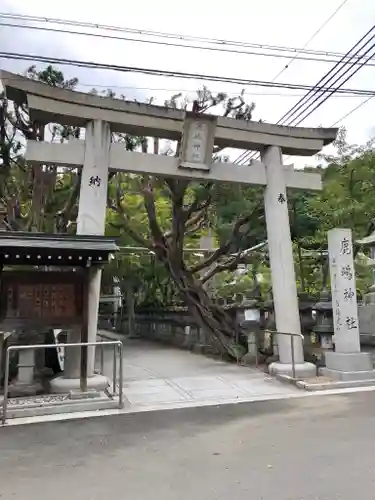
[(346, 362), (284, 286), (91, 221), (92, 211)]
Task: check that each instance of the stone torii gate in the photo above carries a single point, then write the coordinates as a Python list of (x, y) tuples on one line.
[(199, 133)]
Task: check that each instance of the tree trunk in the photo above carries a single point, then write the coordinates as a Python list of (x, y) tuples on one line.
[(216, 323), (36, 210), (130, 309)]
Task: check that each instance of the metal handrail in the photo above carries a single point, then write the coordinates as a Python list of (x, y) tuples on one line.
[(115, 343), (291, 335)]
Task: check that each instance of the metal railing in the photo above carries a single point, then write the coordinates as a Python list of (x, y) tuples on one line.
[(117, 348), (291, 335)]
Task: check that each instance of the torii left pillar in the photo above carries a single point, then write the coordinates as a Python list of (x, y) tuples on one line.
[(91, 221)]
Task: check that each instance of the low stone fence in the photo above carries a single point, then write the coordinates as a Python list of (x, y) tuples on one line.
[(175, 326), (170, 327)]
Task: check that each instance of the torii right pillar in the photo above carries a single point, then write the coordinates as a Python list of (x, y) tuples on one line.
[(284, 286)]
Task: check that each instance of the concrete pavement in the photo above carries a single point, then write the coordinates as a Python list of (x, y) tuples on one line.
[(157, 376), (318, 448)]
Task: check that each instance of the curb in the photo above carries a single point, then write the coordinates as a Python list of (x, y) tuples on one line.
[(105, 334), (324, 386)]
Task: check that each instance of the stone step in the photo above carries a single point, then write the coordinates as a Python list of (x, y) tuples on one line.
[(55, 404)]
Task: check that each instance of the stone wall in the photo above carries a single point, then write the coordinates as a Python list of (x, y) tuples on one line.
[(176, 327), (170, 327), (366, 317)]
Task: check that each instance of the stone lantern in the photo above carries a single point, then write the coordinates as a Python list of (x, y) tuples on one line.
[(250, 322), (366, 311), (270, 326), (306, 306), (369, 242), (324, 320)]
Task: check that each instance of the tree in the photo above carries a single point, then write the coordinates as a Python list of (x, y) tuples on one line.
[(189, 208), (30, 194), (345, 201)]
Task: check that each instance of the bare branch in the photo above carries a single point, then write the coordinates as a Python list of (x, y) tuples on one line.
[(149, 201), (229, 265), (199, 205), (194, 228), (66, 211), (178, 220), (156, 146), (232, 262), (224, 247)]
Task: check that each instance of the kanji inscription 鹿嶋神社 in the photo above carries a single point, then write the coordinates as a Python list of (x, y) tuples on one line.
[(344, 296)]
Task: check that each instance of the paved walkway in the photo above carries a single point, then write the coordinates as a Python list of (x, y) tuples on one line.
[(156, 376)]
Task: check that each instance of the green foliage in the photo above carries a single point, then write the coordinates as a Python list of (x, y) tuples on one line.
[(51, 76), (346, 201), (232, 201)]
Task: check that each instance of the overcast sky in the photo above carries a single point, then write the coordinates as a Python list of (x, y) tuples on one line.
[(273, 22)]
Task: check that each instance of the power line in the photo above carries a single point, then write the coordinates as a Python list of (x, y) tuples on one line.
[(157, 34), (332, 91), (312, 37), (246, 154), (348, 114), (289, 118), (332, 73), (325, 58), (352, 111), (175, 74)]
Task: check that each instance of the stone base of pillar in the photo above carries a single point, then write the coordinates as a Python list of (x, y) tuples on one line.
[(25, 383), (369, 298), (62, 385), (348, 366), (77, 395), (302, 370), (341, 376), (18, 390), (250, 359)]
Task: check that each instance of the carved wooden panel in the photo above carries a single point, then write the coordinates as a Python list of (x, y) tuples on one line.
[(49, 298)]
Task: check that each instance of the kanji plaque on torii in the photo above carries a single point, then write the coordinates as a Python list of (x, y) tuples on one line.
[(197, 144)]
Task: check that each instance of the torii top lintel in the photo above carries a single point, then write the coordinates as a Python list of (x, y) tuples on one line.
[(50, 104)]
